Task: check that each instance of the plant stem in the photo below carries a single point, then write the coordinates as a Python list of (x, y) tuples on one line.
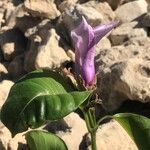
[(91, 126), (93, 140)]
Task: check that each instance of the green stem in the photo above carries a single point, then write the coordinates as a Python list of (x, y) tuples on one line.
[(93, 140), (102, 119), (91, 126)]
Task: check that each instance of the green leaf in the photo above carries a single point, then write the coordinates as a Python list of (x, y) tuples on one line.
[(40, 140), (138, 127), (38, 97)]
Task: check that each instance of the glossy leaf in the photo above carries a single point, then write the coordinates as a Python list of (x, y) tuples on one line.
[(138, 127), (40, 140), (38, 97)]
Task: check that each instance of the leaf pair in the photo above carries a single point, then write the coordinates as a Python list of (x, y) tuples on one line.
[(38, 97)]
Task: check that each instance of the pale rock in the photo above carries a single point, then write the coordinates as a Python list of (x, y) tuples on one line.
[(107, 57), (139, 41), (104, 43), (12, 43), (112, 3), (38, 29), (146, 20), (15, 68), (129, 80), (76, 124), (47, 9), (71, 55), (72, 16), (103, 8), (131, 11), (120, 76), (112, 136), (127, 31), (12, 13), (1, 17), (37, 36), (7, 142), (5, 86), (51, 55), (66, 4)]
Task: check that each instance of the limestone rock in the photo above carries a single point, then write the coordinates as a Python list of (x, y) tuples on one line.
[(50, 55), (112, 3), (127, 31), (7, 142), (104, 43), (103, 8), (66, 4), (71, 17), (12, 43), (76, 124), (47, 9), (112, 136), (12, 13), (131, 11), (124, 74), (5, 86)]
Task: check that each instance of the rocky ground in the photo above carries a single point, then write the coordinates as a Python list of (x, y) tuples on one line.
[(36, 34)]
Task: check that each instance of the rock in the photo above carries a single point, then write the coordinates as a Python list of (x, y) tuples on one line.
[(5, 86), (120, 75), (12, 43), (12, 13), (103, 8), (71, 55), (131, 11), (112, 136), (29, 60), (148, 2), (47, 9), (76, 124), (1, 17), (3, 71), (50, 55), (7, 142), (66, 4), (127, 31), (71, 17), (15, 68), (112, 3), (44, 50), (146, 20), (104, 43), (22, 23)]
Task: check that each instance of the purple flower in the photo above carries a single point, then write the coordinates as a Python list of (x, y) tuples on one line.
[(85, 38)]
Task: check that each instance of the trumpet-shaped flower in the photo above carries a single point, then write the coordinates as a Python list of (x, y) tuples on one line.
[(85, 38)]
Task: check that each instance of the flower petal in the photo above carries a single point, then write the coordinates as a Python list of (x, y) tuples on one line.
[(102, 30), (88, 69), (82, 37)]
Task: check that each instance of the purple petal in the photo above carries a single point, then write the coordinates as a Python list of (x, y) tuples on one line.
[(88, 68), (82, 37), (102, 30)]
